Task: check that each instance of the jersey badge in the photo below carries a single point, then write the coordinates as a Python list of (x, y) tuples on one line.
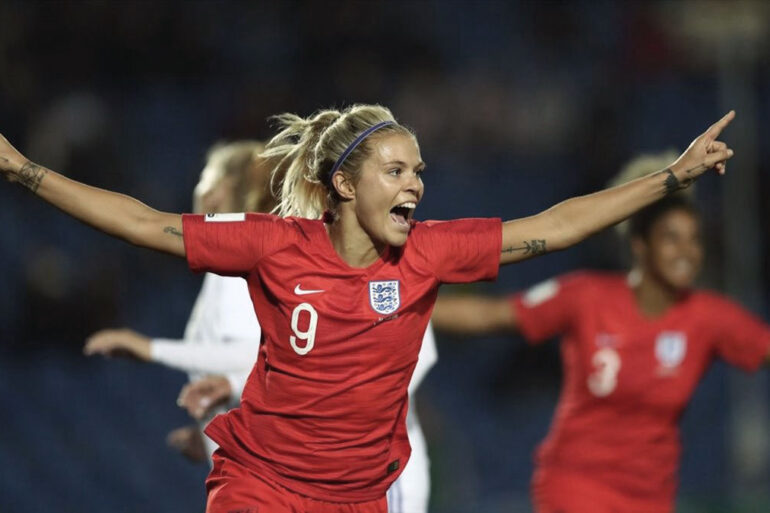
[(670, 348), (225, 218), (384, 296)]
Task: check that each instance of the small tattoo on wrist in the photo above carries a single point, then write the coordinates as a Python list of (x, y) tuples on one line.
[(30, 175), (673, 184)]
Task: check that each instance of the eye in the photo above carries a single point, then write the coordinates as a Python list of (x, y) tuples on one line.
[(419, 172), (395, 171)]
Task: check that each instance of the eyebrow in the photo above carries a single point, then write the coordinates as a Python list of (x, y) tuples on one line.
[(403, 164)]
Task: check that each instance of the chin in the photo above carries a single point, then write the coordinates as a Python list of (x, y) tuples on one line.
[(681, 284), (398, 240), (395, 238)]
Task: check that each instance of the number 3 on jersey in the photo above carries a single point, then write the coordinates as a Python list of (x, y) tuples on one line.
[(604, 379), (308, 335)]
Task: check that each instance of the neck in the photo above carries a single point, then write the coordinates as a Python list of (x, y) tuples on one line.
[(653, 297), (352, 243)]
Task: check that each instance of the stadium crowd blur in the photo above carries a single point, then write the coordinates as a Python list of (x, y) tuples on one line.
[(517, 105)]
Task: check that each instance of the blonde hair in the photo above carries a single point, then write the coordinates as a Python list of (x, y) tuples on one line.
[(241, 162), (306, 149), (643, 165)]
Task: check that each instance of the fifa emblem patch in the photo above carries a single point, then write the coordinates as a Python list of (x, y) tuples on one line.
[(225, 218), (384, 296), (670, 348)]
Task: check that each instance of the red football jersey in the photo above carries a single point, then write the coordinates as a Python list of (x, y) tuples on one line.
[(323, 412), (627, 380)]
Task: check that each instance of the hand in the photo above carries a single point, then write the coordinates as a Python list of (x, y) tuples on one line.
[(119, 342), (704, 153), (188, 440), (199, 397), (11, 161)]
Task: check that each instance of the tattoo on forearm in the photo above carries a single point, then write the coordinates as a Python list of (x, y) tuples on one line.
[(172, 231), (673, 184), (531, 247), (30, 175)]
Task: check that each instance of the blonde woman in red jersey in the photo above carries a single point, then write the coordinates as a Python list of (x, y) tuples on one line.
[(633, 350), (343, 301)]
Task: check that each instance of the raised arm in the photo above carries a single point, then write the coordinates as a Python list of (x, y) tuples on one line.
[(571, 221), (473, 315), (114, 214)]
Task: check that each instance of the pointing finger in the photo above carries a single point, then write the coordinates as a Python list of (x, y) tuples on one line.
[(715, 129)]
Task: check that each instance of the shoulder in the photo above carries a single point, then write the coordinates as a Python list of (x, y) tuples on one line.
[(301, 224), (718, 312), (709, 302), (242, 220), (433, 231), (467, 223), (591, 287)]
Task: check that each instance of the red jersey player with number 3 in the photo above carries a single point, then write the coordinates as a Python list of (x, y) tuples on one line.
[(633, 350), (344, 300)]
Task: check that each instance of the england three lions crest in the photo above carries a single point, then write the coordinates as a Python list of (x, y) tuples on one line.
[(670, 348), (384, 296)]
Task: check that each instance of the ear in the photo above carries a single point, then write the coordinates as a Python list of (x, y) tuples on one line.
[(344, 186)]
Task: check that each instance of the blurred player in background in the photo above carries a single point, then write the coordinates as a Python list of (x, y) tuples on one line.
[(633, 350), (343, 301), (222, 335), (410, 493)]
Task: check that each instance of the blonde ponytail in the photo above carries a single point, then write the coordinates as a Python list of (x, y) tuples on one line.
[(306, 149)]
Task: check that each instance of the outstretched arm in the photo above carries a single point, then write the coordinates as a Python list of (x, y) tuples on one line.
[(474, 315), (115, 214), (233, 356), (571, 221)]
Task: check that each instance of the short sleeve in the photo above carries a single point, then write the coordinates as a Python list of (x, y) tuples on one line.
[(460, 251), (739, 337), (232, 244), (549, 308)]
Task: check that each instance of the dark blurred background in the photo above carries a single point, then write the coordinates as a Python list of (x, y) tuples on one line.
[(517, 106)]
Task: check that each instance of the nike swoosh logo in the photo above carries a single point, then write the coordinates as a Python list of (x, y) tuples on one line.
[(300, 292)]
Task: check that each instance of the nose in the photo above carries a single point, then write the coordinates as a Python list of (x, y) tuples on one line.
[(415, 185)]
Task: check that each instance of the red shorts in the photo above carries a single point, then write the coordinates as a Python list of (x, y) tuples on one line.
[(232, 488), (565, 492)]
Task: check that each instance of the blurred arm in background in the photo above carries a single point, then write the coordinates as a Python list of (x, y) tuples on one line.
[(474, 315)]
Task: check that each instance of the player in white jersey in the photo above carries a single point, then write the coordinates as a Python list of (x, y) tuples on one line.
[(410, 493), (222, 334)]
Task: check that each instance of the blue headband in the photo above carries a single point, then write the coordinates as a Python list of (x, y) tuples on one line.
[(353, 146)]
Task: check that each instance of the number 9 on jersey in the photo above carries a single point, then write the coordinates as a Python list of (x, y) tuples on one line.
[(307, 335)]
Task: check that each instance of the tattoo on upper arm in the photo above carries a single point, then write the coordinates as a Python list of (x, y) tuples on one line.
[(30, 175), (531, 247), (172, 231), (673, 184)]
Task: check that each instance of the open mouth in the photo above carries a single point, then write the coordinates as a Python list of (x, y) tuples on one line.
[(402, 214)]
